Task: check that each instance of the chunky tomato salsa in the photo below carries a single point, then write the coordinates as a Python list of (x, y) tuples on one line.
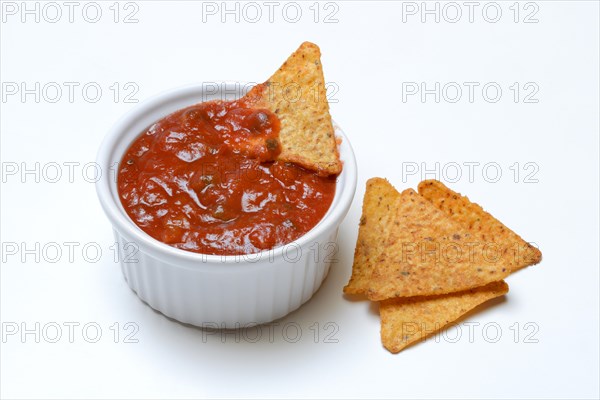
[(206, 179)]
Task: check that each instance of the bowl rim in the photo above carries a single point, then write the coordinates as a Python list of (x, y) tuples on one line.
[(121, 222)]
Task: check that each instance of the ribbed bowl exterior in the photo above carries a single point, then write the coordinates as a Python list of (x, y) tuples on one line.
[(214, 299)]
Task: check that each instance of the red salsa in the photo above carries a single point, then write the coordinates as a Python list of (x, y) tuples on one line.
[(206, 179)]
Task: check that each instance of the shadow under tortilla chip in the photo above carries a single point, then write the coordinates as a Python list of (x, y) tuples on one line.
[(408, 320), (296, 93), (481, 224)]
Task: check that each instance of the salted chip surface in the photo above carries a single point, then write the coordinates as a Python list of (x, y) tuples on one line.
[(296, 93), (405, 321), (481, 225), (420, 251), (378, 207)]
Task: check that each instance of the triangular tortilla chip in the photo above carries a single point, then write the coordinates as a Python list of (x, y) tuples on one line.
[(481, 225), (296, 93), (423, 252), (379, 204), (408, 320)]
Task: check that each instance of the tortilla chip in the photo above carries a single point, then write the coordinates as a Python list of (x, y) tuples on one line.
[(378, 207), (296, 93), (482, 226), (422, 252), (405, 321)]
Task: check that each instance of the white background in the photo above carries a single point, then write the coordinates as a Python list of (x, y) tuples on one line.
[(369, 55)]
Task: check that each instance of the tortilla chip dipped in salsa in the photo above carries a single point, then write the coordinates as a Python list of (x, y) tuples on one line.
[(236, 177), (297, 94)]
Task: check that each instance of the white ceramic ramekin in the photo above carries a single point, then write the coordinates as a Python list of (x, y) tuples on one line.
[(207, 290)]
